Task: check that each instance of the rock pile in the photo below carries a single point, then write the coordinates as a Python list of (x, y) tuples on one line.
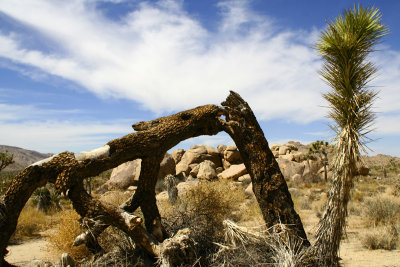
[(204, 162)]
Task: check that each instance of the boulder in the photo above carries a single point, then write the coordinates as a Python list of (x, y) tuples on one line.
[(167, 166), (219, 170), (276, 153), (206, 170), (127, 174), (283, 150), (249, 190), (177, 155), (245, 179), (275, 147), (233, 172), (290, 168), (185, 186), (124, 175), (226, 164), (197, 154), (292, 146), (289, 157), (232, 156), (221, 148), (231, 148), (194, 169), (298, 156), (211, 151)]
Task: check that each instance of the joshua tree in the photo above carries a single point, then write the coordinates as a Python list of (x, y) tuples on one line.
[(344, 47), (320, 148), (5, 159)]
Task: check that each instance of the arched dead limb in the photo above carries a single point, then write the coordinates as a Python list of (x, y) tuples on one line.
[(269, 185), (68, 169), (152, 137)]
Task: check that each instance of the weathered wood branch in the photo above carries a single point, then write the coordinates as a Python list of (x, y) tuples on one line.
[(152, 139), (269, 185), (67, 169)]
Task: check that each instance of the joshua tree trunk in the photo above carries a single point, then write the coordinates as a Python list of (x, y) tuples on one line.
[(152, 139)]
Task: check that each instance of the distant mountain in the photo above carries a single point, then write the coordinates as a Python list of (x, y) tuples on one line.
[(22, 157)]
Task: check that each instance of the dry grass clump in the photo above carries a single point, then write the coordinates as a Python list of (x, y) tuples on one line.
[(30, 223), (381, 211), (396, 190), (383, 216), (65, 233), (255, 246), (202, 209), (386, 237)]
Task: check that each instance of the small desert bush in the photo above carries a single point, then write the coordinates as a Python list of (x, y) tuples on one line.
[(257, 246), (202, 209), (386, 237), (305, 204), (368, 188), (30, 223), (5, 180), (381, 211), (357, 196), (65, 233), (396, 190)]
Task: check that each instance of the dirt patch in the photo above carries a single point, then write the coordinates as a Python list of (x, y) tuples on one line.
[(23, 254)]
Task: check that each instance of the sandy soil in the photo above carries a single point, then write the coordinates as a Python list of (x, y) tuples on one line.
[(354, 255), (351, 252), (23, 254)]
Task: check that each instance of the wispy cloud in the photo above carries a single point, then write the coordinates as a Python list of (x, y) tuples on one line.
[(388, 125), (49, 136), (41, 129), (166, 60)]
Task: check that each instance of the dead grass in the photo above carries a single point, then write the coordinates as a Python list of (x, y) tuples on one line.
[(202, 209), (30, 223), (381, 211), (386, 237), (64, 235)]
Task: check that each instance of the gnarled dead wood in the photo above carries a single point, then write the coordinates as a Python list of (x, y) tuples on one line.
[(152, 139), (269, 185)]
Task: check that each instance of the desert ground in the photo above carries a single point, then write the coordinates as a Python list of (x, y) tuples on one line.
[(373, 224)]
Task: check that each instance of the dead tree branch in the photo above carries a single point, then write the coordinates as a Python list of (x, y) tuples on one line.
[(152, 139)]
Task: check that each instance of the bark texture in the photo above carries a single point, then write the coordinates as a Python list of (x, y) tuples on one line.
[(269, 185), (150, 142)]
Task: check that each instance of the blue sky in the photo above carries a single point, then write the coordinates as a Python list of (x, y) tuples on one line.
[(76, 74)]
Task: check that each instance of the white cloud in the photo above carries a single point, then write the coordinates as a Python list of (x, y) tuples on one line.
[(50, 136), (387, 125), (39, 129), (164, 59)]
